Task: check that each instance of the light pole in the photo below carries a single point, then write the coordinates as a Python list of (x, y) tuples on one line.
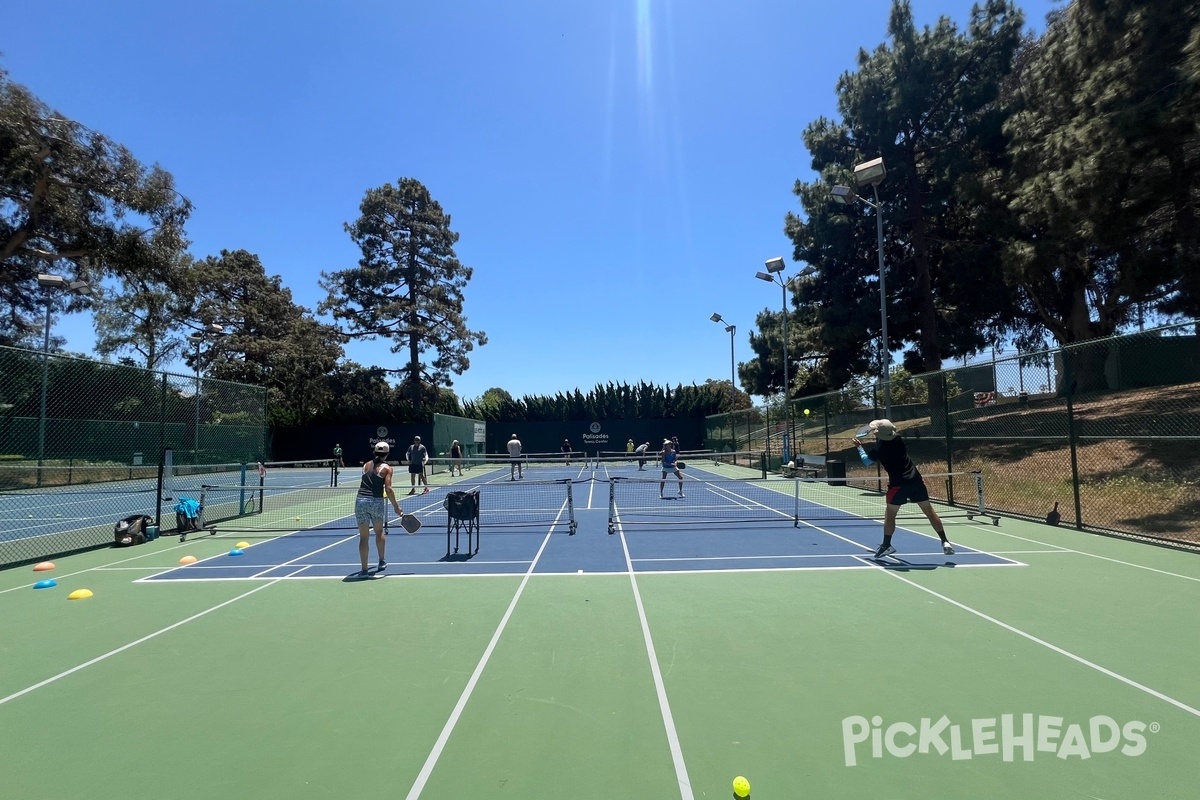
[(775, 266), (47, 282), (196, 339), (731, 330), (873, 172)]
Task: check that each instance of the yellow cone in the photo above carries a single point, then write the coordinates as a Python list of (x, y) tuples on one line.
[(188, 560), (80, 594), (45, 565), (242, 545)]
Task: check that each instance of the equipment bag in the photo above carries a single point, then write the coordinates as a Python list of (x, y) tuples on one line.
[(131, 530)]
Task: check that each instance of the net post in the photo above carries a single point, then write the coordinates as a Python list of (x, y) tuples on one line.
[(159, 501), (796, 506), (333, 472), (242, 490), (201, 522), (980, 504), (168, 469), (612, 505), (570, 507)]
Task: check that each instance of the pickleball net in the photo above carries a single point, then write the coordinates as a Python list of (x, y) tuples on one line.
[(532, 466), (744, 464), (717, 501), (268, 510)]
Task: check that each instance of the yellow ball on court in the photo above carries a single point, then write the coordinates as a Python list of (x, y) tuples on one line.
[(297, 519), (741, 786)]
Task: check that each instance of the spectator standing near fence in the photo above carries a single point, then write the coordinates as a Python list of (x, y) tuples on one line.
[(417, 456), (370, 506), (515, 468)]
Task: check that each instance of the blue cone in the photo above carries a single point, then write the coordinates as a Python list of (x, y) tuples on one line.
[(235, 552), (49, 583)]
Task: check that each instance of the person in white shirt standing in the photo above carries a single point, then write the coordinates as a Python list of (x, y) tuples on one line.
[(515, 467), (417, 456)]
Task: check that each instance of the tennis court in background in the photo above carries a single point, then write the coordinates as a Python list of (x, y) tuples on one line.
[(604, 642)]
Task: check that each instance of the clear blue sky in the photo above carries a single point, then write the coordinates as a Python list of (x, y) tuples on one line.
[(617, 171)]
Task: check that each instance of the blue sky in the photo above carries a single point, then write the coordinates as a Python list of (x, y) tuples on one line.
[(617, 171)]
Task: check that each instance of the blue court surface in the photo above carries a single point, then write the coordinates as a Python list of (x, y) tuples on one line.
[(716, 527)]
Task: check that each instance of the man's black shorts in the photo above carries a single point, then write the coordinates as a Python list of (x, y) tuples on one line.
[(913, 491)]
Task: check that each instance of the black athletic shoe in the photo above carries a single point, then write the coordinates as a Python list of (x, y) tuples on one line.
[(381, 566)]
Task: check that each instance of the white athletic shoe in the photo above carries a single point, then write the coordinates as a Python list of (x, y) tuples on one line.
[(884, 550), (947, 548)]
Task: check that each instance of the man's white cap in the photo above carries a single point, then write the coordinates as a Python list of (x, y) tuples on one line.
[(883, 429), (382, 447)]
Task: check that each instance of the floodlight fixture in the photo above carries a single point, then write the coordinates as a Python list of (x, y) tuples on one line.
[(775, 265), (844, 195), (870, 172), (716, 318)]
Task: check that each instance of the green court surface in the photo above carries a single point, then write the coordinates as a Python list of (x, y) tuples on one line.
[(1072, 675)]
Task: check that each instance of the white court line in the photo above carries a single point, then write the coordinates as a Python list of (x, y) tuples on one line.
[(1055, 648), (440, 745), (132, 644), (939, 554), (991, 529), (335, 543), (660, 689)]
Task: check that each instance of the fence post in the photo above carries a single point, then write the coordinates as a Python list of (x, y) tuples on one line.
[(162, 415), (1069, 385), (826, 407), (949, 423)]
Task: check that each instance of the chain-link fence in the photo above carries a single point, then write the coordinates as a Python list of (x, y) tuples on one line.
[(1099, 435), (72, 422)]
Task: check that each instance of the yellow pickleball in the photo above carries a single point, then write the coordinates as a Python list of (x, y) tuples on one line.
[(741, 786)]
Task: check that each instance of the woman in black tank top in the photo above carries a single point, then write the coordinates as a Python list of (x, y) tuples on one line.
[(370, 507)]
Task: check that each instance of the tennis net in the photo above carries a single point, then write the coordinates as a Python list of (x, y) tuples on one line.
[(270, 510), (716, 501)]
